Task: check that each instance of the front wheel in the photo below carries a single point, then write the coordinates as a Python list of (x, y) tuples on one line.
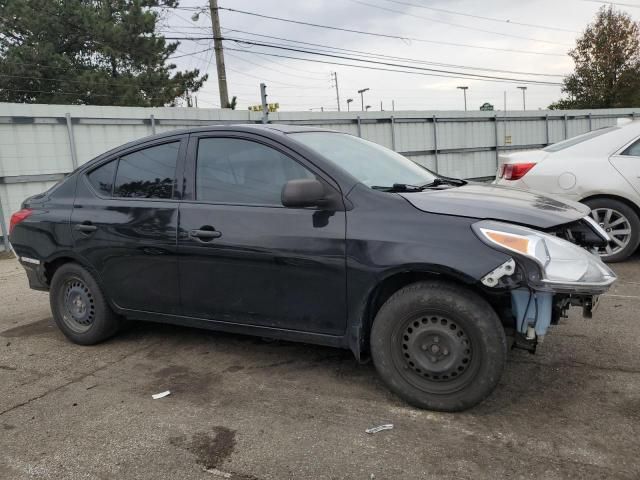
[(438, 346), (79, 308)]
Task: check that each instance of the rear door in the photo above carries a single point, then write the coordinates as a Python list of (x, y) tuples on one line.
[(257, 262), (124, 223), (627, 162)]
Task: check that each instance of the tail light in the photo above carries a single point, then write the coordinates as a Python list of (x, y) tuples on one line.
[(18, 217), (515, 171)]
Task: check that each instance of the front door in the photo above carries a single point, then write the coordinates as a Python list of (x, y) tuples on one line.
[(244, 258), (124, 223)]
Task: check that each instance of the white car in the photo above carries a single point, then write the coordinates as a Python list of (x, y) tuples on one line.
[(600, 168)]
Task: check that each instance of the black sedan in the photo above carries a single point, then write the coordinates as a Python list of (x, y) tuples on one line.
[(315, 236)]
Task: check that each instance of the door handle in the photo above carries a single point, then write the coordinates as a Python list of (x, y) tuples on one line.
[(205, 234), (85, 227)]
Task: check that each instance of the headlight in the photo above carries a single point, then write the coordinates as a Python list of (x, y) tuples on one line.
[(562, 263)]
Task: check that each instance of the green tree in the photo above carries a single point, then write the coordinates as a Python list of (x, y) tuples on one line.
[(98, 52), (607, 64)]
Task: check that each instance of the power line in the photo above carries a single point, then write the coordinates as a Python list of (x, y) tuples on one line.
[(274, 70), (390, 57), (456, 74), (452, 75), (459, 25), (266, 79), (79, 94), (620, 4), (316, 75), (480, 17), (411, 67), (383, 35)]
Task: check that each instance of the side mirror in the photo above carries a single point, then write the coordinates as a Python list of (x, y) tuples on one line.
[(305, 192)]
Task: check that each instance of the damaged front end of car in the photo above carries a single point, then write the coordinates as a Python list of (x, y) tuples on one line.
[(548, 273)]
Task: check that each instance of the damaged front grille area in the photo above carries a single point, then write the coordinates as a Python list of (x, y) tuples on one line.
[(581, 233)]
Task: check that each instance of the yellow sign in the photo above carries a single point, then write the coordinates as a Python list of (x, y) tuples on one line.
[(273, 107)]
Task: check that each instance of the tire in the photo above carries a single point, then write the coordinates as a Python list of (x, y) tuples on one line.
[(438, 346), (79, 307), (619, 212)]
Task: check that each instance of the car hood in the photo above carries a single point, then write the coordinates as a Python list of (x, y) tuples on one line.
[(486, 201)]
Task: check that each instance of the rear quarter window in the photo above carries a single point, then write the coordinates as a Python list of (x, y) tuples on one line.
[(101, 178)]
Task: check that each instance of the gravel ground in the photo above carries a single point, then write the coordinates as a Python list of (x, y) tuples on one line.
[(243, 408)]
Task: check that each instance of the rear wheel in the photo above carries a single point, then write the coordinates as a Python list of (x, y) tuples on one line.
[(79, 308), (438, 346), (621, 223)]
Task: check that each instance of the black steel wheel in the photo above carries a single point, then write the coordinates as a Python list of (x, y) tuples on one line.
[(79, 307), (435, 352), (438, 346)]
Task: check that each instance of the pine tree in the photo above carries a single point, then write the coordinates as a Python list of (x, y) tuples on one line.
[(98, 52)]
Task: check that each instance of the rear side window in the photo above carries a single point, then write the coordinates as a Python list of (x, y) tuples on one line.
[(231, 170), (556, 147), (147, 173), (102, 178), (633, 150)]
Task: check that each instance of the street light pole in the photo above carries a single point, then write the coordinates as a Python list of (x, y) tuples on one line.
[(349, 100), (464, 91), (524, 105), (361, 92)]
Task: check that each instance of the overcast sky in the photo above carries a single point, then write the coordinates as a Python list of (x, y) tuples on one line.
[(302, 85)]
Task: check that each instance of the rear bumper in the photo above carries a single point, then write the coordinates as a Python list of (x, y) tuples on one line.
[(35, 274)]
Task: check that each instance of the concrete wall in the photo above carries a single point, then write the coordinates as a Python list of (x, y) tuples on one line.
[(40, 143)]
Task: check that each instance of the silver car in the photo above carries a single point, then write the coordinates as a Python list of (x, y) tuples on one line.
[(600, 168)]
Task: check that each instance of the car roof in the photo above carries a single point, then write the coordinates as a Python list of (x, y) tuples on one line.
[(272, 128), (269, 129)]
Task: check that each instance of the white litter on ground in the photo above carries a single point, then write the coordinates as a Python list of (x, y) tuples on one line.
[(160, 395), (380, 428)]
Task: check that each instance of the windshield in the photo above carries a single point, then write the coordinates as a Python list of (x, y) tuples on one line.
[(370, 163), (556, 147)]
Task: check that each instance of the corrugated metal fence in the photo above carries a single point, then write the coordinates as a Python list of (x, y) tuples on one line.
[(41, 143)]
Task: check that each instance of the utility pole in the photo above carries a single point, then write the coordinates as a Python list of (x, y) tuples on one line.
[(217, 46), (464, 91), (524, 105), (334, 77), (505, 100), (361, 92), (381, 106), (265, 105), (393, 105)]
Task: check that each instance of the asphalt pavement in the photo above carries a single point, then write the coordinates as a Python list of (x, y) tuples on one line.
[(244, 408)]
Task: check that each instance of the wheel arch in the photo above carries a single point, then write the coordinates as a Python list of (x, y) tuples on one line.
[(390, 283), (610, 196), (51, 265)]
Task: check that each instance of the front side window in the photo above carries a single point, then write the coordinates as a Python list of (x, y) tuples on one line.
[(633, 150), (231, 170), (147, 173), (102, 178), (370, 163)]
